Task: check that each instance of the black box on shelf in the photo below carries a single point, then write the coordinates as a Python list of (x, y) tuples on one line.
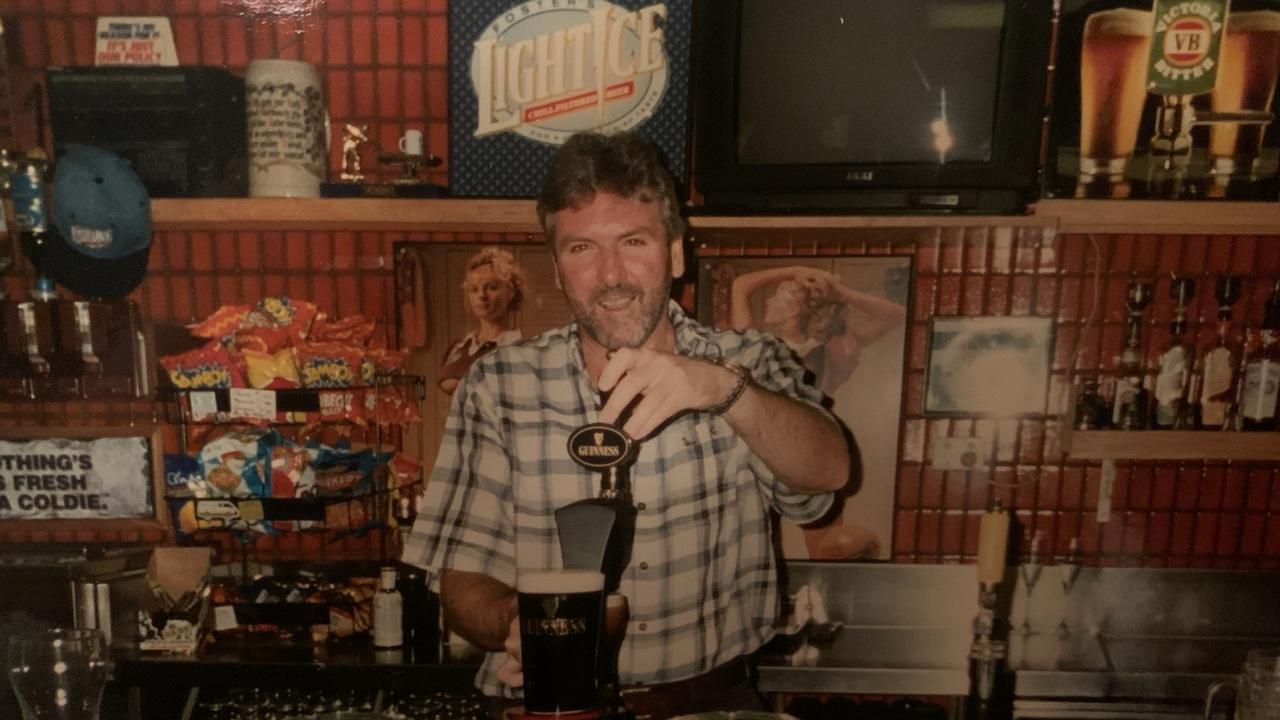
[(181, 128)]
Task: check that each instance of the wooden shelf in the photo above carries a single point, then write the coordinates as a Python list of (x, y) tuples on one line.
[(1173, 445), (519, 216), (382, 214), (1186, 217)]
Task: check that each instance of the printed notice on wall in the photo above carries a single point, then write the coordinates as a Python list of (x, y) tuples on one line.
[(75, 479), (134, 41)]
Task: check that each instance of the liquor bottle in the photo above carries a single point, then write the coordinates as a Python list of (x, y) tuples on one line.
[(1174, 367), (1129, 406), (1189, 415), (388, 612), (1219, 361), (1262, 372)]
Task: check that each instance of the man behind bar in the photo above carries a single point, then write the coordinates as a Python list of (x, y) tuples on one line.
[(727, 427)]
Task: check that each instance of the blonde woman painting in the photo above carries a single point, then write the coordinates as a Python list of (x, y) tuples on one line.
[(829, 325), (493, 289), (825, 322)]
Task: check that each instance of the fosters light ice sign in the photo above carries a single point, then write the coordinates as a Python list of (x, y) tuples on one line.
[(525, 77)]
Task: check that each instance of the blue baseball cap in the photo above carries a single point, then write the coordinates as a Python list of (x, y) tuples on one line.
[(101, 239)]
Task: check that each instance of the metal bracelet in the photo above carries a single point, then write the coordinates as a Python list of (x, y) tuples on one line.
[(743, 376)]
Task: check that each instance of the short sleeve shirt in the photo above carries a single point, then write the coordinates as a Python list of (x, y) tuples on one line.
[(702, 583)]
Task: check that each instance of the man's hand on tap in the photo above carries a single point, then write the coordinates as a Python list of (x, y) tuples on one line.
[(669, 383)]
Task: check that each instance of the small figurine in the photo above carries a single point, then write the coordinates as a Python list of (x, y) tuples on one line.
[(352, 137)]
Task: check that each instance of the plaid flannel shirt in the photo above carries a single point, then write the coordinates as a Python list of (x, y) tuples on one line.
[(702, 584)]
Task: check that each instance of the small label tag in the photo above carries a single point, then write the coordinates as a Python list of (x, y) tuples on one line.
[(204, 404), (257, 404), (224, 617), (1107, 484), (135, 40), (251, 511)]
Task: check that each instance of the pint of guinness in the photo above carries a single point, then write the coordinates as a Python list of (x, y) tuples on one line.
[(560, 623)]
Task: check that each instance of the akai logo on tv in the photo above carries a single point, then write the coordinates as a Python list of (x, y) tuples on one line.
[(545, 69)]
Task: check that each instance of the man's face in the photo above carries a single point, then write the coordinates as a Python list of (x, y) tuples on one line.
[(615, 264)]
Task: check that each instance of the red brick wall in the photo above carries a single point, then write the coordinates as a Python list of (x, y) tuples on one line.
[(384, 63)]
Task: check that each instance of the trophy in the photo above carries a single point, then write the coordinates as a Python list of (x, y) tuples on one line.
[(410, 159)]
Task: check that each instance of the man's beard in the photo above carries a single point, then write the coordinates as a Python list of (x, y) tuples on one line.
[(612, 334)]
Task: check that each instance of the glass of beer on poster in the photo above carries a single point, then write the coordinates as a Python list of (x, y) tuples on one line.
[(1113, 78), (1247, 71), (560, 627)]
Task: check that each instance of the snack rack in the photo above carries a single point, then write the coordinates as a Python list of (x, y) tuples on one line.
[(338, 522)]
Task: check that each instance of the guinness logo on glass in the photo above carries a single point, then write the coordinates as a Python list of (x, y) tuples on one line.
[(598, 446)]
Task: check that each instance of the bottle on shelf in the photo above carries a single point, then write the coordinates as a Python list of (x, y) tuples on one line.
[(1219, 362), (1261, 377), (1189, 413), (1131, 401), (388, 611), (1174, 367)]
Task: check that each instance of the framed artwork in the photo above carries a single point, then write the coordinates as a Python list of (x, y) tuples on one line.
[(845, 317), (991, 366), (447, 319)]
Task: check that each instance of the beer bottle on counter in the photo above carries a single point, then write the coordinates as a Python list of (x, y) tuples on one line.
[(1175, 363), (421, 619), (388, 611), (1218, 362), (1262, 372)]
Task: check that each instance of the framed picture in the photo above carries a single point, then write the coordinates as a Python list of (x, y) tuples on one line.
[(845, 317), (445, 328), (69, 478), (990, 366)]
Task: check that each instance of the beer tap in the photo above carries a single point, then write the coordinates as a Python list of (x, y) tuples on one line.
[(597, 533), (1171, 143), (988, 682)]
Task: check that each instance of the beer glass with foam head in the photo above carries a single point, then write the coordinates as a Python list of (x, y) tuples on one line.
[(560, 627), (1247, 68), (58, 674), (1113, 79)]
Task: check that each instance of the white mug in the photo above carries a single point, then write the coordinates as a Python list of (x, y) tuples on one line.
[(411, 143), (287, 129)]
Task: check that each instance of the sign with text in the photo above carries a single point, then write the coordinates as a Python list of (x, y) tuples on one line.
[(1166, 99), (134, 41), (524, 76), (76, 479)]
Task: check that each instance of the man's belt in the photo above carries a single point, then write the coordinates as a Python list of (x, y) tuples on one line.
[(658, 701)]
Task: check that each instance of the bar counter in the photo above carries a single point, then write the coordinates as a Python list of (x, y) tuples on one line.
[(933, 661), (1111, 635), (346, 664)]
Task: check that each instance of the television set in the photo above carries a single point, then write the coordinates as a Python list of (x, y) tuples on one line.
[(868, 105)]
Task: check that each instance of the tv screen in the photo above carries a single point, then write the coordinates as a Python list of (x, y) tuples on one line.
[(910, 81), (878, 104)]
